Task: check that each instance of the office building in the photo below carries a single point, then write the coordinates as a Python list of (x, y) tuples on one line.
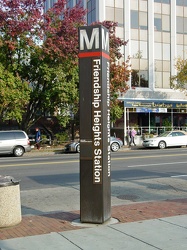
[(156, 31)]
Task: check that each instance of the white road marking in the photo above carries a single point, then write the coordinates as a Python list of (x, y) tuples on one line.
[(155, 164), (176, 176)]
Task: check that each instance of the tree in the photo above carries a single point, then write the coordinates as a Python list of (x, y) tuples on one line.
[(54, 90), (15, 39), (14, 95), (19, 31), (179, 80), (42, 49)]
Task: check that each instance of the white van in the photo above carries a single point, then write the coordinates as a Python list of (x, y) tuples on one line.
[(14, 142)]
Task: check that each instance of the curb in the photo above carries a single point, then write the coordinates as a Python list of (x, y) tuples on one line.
[(53, 151)]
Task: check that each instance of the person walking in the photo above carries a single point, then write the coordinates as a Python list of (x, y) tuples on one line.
[(132, 134), (37, 138)]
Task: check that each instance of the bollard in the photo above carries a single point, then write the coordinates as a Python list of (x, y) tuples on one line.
[(10, 203)]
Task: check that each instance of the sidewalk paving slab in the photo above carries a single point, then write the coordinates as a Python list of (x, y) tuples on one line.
[(164, 234), (52, 241), (149, 234)]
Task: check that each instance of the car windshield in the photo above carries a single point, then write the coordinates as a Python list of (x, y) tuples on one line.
[(164, 134)]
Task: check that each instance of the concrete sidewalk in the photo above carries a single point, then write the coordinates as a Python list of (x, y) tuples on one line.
[(147, 225), (166, 233)]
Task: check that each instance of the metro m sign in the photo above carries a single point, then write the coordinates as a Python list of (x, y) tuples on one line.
[(94, 38), (94, 103)]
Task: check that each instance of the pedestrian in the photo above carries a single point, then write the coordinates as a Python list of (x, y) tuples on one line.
[(132, 134), (38, 138)]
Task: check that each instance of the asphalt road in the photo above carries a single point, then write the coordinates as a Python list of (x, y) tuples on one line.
[(50, 183)]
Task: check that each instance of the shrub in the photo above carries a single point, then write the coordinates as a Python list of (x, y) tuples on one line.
[(61, 138)]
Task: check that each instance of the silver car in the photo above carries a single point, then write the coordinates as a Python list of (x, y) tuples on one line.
[(173, 138), (14, 142), (115, 145)]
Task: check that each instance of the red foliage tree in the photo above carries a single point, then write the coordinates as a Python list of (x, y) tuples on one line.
[(41, 47)]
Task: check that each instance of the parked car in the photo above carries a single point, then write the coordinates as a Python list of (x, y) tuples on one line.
[(14, 142), (173, 138), (115, 145)]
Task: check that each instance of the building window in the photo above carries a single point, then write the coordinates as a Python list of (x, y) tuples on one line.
[(91, 6), (162, 23), (115, 14), (181, 25), (162, 1), (138, 20), (181, 2), (134, 19), (157, 23), (181, 29), (70, 4), (81, 2), (139, 78)]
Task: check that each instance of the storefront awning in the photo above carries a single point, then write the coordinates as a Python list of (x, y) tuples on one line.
[(140, 103)]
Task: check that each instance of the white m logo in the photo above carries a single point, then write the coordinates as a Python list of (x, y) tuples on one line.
[(105, 40), (84, 40), (89, 44)]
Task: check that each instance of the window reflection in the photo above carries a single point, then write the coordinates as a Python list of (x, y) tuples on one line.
[(134, 19), (139, 78), (157, 24)]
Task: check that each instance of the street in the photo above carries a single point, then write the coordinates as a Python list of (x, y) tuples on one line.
[(50, 183)]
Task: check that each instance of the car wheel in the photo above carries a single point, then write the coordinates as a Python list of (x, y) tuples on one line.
[(18, 151), (114, 147), (78, 148), (162, 145)]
